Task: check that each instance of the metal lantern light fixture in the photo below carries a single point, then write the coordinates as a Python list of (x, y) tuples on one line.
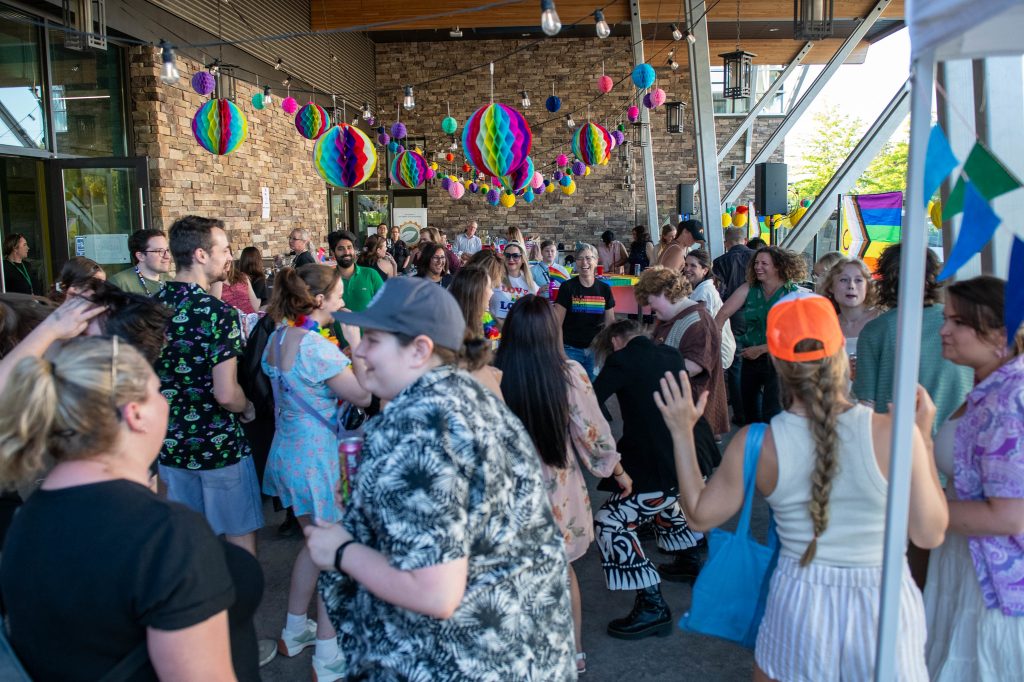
[(738, 67), (674, 116), (813, 19)]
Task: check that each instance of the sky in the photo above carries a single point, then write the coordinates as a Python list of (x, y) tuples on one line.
[(859, 90)]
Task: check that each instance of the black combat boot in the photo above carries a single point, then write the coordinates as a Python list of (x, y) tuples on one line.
[(650, 616), (686, 565)]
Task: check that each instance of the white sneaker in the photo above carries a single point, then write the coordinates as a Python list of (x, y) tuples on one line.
[(329, 671), (292, 644)]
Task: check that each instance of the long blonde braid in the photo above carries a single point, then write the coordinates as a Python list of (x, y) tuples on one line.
[(821, 386)]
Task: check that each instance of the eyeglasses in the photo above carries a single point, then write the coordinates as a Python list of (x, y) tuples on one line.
[(438, 259), (295, 239), (514, 256), (162, 252)]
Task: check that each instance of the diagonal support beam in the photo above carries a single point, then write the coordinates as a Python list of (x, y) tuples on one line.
[(769, 95), (773, 142), (846, 176), (646, 147), (704, 126)]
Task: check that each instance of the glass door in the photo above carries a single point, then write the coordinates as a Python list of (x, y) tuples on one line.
[(371, 209), (97, 204)]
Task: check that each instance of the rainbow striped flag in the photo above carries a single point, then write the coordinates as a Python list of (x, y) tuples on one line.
[(558, 275), (871, 223)]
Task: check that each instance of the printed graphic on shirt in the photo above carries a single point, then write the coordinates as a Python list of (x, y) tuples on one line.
[(588, 304)]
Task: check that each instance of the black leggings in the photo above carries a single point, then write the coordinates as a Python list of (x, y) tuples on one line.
[(760, 387)]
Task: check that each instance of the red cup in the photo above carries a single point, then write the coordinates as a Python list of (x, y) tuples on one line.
[(600, 270)]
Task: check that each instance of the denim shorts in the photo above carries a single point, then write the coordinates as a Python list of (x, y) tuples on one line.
[(229, 497)]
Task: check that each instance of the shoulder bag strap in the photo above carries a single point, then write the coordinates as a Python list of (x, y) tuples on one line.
[(128, 665), (751, 455), (281, 385)]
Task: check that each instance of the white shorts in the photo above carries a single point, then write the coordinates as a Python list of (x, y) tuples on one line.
[(821, 623)]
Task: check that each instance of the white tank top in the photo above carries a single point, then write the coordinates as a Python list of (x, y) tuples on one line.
[(854, 536)]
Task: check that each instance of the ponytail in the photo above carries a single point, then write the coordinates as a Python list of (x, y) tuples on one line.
[(295, 290), (26, 419)]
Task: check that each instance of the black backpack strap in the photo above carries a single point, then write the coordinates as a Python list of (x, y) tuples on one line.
[(128, 665)]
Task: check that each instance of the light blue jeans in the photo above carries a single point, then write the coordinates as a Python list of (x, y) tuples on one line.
[(584, 356)]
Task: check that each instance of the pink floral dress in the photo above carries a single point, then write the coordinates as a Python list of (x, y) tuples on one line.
[(590, 442)]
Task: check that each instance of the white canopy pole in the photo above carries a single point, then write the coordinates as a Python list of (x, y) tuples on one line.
[(908, 355)]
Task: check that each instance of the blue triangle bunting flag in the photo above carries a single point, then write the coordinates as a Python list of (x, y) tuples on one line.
[(939, 162), (1013, 310), (976, 229)]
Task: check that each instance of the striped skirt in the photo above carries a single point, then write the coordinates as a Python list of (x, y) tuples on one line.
[(821, 623)]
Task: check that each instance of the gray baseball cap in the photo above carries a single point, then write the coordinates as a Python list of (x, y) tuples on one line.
[(412, 306)]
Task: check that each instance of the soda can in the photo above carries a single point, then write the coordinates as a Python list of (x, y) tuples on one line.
[(348, 454)]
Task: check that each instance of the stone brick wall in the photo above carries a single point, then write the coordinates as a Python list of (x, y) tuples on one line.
[(186, 179), (601, 201)]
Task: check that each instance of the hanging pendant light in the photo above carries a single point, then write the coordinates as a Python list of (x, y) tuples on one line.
[(408, 102), (601, 26), (550, 23), (526, 100), (738, 67), (813, 19)]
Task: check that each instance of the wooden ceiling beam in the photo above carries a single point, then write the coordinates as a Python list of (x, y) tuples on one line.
[(328, 14)]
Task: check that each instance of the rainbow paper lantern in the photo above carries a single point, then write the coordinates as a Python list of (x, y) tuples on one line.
[(592, 144), (493, 196), (344, 156), (204, 83), (409, 170), (449, 125), (508, 200), (520, 178), (257, 101), (496, 139), (289, 105), (219, 126), (553, 104), (633, 113), (312, 121), (456, 190), (643, 76), (605, 84)]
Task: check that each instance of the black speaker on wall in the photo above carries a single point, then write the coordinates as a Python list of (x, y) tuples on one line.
[(770, 188), (684, 198)]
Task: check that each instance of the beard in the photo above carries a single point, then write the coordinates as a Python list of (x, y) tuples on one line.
[(346, 261)]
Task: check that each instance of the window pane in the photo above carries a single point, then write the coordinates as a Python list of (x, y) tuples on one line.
[(22, 117), (88, 107)]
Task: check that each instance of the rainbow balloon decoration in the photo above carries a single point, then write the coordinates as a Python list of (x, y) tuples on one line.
[(312, 121), (520, 178), (496, 139), (592, 144), (219, 126), (408, 169), (344, 156)]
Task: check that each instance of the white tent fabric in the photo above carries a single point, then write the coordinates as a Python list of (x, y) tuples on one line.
[(965, 29)]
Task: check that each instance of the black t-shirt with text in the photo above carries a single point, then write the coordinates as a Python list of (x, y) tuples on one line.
[(584, 310), (87, 569)]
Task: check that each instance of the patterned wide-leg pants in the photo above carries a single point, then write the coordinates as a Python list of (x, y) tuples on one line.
[(625, 565)]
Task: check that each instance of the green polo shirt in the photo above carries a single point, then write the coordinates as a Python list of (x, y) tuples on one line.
[(360, 288), (128, 280)]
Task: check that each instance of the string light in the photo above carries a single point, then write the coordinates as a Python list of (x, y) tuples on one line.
[(287, 81), (408, 102), (690, 38), (672, 63), (603, 30), (215, 67), (526, 100), (569, 123), (170, 74), (267, 97), (549, 21), (677, 35), (366, 111), (279, 65)]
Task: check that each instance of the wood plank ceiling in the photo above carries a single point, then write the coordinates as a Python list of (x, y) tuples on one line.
[(766, 26)]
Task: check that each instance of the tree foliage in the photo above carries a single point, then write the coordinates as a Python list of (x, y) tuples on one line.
[(835, 136)]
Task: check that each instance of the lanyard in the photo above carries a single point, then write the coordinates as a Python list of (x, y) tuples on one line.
[(142, 281)]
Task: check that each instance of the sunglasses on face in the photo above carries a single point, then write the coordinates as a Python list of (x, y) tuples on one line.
[(513, 256)]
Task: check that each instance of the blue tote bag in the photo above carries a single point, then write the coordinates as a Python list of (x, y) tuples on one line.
[(729, 595)]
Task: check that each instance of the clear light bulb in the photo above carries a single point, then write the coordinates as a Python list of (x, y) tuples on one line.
[(603, 30), (569, 123), (366, 112), (526, 100), (673, 64), (267, 97), (408, 102), (549, 21), (676, 33), (690, 38), (169, 75)]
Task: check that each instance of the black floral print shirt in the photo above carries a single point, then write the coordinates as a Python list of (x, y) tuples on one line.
[(202, 333), (447, 471)]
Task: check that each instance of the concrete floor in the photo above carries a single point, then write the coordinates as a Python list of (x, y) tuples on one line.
[(681, 656)]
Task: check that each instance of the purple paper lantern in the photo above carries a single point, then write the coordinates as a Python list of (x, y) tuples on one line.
[(398, 130), (383, 139), (579, 168), (203, 82), (619, 137)]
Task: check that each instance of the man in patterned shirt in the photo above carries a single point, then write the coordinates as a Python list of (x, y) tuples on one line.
[(205, 461), (448, 564)]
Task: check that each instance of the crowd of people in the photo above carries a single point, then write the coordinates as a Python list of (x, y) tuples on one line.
[(426, 412)]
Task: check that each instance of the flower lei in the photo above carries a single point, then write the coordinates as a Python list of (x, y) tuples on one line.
[(303, 322), (491, 329)]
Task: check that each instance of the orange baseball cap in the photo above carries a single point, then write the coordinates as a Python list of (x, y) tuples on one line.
[(803, 316)]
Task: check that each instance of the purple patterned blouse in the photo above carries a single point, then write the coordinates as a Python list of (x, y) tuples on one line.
[(989, 462)]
